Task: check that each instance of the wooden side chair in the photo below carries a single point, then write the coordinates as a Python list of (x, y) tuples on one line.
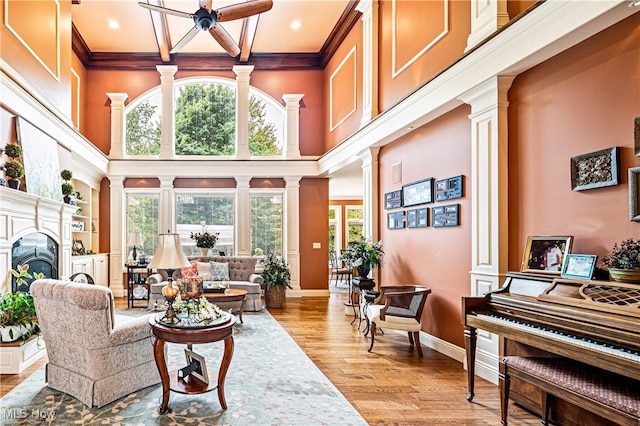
[(338, 273), (402, 310)]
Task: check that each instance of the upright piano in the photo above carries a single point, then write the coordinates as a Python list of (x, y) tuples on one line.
[(593, 322)]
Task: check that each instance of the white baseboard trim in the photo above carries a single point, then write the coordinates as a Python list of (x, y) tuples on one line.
[(449, 349)]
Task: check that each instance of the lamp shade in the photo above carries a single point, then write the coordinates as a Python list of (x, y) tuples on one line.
[(169, 253), (135, 239)]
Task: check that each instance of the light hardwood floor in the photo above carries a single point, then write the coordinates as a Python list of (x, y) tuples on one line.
[(391, 385)]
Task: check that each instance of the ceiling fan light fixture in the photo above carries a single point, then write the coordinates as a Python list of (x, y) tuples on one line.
[(204, 20)]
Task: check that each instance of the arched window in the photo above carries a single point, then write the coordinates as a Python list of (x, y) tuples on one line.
[(143, 119), (266, 125)]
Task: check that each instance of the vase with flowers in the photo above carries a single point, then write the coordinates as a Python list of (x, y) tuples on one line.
[(364, 255), (205, 240), (623, 261)]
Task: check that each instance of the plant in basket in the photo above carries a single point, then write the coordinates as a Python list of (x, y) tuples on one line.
[(277, 278)]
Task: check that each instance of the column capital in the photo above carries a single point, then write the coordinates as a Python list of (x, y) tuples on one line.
[(242, 182), (292, 181), (292, 98), (116, 181), (167, 70), (243, 70), (117, 98), (166, 181)]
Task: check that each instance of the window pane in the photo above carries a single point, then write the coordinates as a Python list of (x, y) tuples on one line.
[(143, 127), (142, 216), (205, 119), (355, 224), (216, 211), (266, 127), (266, 223)]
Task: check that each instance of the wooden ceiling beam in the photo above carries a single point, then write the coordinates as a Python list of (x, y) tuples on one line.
[(161, 30), (247, 35)]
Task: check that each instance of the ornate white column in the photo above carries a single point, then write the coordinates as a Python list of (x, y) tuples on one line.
[(243, 216), (243, 75), (292, 230), (167, 210), (487, 16), (167, 133), (117, 125), (489, 209), (117, 215), (292, 125), (370, 192), (369, 9)]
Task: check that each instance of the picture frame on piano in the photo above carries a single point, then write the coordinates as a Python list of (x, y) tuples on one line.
[(579, 266), (545, 255)]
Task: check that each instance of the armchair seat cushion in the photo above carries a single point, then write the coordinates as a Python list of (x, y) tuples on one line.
[(397, 323)]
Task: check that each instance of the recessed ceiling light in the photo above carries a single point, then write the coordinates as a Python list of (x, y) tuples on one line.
[(114, 25), (296, 24)]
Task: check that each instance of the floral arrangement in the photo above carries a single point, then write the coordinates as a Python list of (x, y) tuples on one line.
[(624, 256), (276, 271), (364, 254), (205, 239)]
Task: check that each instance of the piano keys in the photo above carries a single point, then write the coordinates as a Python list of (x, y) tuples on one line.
[(593, 322)]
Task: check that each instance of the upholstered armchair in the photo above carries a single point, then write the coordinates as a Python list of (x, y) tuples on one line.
[(402, 310), (94, 355)]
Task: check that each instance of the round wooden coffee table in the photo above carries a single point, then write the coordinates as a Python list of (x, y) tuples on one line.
[(190, 336), (229, 295)]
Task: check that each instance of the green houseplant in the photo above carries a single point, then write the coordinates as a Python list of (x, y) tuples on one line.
[(17, 310), (67, 187), (277, 278), (623, 261), (364, 255)]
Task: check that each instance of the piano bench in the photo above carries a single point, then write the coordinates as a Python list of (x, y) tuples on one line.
[(609, 395)]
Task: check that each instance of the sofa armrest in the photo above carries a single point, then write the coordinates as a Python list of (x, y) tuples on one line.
[(155, 278), (256, 279), (130, 330)]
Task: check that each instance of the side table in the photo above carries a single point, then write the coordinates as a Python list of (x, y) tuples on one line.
[(190, 336), (229, 295), (359, 285), (137, 287)]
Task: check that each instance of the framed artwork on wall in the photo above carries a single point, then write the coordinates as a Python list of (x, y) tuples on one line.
[(595, 170), (579, 266), (448, 215), (636, 134), (420, 192), (418, 218), (634, 194), (545, 254), (393, 199), (395, 220), (448, 189)]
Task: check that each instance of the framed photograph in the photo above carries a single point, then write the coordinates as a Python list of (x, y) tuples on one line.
[(393, 200), (634, 194), (448, 215), (395, 220), (596, 169), (78, 246), (415, 193), (418, 218), (448, 189), (545, 254), (580, 266), (200, 372)]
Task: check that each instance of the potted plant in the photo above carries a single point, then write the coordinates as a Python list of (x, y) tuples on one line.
[(67, 187), (623, 261), (17, 310), (277, 277), (364, 255), (14, 169)]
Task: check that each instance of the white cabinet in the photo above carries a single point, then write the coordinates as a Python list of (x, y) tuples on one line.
[(96, 265), (81, 264)]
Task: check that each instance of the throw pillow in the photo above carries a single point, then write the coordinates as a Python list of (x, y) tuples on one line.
[(204, 270), (219, 271), (191, 271)]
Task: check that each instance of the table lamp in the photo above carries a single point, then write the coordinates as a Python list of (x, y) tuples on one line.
[(135, 240), (169, 256)]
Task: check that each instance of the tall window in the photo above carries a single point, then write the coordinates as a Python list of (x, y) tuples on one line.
[(205, 118), (335, 230), (216, 210), (143, 120), (266, 125), (142, 216), (266, 223), (355, 223)]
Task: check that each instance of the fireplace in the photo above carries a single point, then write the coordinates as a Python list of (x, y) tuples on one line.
[(40, 252)]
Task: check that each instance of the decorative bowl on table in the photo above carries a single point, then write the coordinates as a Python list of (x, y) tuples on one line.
[(215, 287), (193, 287)]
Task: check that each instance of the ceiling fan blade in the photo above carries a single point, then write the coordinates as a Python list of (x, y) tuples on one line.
[(165, 10), (205, 4), (186, 39), (225, 40), (242, 10)]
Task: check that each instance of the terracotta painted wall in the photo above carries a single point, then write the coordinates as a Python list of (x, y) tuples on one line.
[(418, 24), (580, 101), (36, 25), (343, 89), (439, 258), (79, 94), (314, 227)]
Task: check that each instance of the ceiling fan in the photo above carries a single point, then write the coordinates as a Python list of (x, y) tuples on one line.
[(206, 19)]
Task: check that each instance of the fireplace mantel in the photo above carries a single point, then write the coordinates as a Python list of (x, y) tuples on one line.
[(22, 214)]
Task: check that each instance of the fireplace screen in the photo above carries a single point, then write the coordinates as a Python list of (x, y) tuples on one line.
[(40, 252)]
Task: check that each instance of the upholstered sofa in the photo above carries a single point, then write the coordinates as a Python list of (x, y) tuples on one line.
[(94, 355), (241, 275)]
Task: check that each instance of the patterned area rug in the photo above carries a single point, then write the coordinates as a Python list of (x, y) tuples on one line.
[(270, 382)]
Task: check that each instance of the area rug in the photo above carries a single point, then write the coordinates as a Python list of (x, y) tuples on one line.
[(270, 382)]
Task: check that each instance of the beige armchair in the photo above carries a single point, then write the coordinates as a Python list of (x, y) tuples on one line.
[(402, 310), (94, 355)]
